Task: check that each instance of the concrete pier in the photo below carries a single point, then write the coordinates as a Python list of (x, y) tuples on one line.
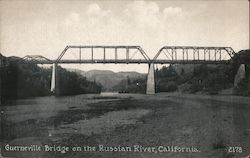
[(53, 79), (151, 80), (241, 74)]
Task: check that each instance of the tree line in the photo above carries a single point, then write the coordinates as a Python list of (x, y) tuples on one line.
[(203, 78), (22, 80)]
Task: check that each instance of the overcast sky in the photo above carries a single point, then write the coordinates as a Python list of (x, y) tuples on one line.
[(46, 26)]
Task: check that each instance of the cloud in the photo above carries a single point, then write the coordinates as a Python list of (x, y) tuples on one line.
[(142, 14), (72, 18), (172, 11), (139, 23), (95, 10), (142, 8), (150, 24)]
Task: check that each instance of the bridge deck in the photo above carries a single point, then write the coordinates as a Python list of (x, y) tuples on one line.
[(101, 61)]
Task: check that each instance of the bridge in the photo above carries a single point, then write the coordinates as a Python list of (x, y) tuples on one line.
[(97, 54), (136, 55)]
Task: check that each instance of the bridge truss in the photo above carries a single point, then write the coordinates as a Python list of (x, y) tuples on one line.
[(136, 55), (193, 55), (36, 59), (104, 54)]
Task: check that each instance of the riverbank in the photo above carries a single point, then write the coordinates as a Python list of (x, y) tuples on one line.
[(210, 124)]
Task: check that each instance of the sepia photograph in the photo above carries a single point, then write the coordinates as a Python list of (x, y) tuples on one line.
[(124, 79)]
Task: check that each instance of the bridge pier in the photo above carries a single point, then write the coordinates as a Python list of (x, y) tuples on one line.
[(241, 74), (151, 80), (53, 79)]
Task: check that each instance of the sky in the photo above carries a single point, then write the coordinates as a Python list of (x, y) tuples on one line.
[(45, 27)]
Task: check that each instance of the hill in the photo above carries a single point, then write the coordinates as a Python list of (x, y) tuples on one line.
[(108, 79)]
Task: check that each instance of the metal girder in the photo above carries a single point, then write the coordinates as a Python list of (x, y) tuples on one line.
[(36, 59), (107, 61), (191, 62), (115, 48), (196, 52), (100, 61), (172, 55)]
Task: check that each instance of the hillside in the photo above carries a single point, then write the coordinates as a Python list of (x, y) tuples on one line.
[(19, 80), (108, 79)]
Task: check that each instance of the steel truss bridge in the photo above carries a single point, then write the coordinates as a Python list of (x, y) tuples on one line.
[(136, 55)]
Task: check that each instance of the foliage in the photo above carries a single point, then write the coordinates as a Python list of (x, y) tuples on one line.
[(24, 80), (166, 79), (212, 78), (70, 83), (19, 80), (167, 86), (207, 78), (137, 85)]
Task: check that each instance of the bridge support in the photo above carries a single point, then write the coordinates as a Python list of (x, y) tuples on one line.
[(53, 79), (151, 80), (241, 74)]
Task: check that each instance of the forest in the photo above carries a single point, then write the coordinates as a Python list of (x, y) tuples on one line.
[(23, 80), (209, 79)]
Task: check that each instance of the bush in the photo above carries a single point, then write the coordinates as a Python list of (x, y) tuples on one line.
[(167, 86)]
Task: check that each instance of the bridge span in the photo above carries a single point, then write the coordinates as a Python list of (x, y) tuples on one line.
[(96, 54), (136, 55)]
